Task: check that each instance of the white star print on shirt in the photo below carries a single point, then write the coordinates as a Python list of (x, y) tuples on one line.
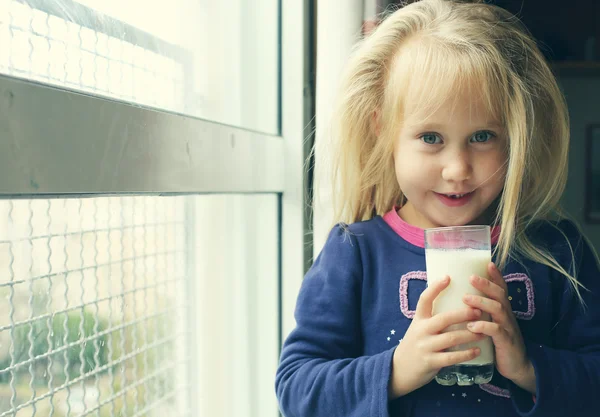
[(393, 332)]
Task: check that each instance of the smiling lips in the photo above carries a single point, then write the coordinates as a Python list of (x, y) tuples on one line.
[(455, 200)]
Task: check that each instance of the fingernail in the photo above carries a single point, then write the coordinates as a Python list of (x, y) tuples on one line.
[(445, 280), (477, 312), (468, 298), (474, 278)]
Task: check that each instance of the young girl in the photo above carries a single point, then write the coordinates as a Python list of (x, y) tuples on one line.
[(448, 116)]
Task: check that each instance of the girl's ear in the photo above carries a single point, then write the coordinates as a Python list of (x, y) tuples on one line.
[(376, 122)]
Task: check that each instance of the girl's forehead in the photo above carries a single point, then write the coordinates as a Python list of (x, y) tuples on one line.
[(425, 77), (447, 105), (470, 105)]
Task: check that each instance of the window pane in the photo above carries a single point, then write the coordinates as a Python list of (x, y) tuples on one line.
[(209, 59), (123, 306)]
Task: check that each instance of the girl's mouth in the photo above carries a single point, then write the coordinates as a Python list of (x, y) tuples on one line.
[(455, 200)]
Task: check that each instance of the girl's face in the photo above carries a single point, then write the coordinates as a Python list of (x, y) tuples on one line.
[(450, 163)]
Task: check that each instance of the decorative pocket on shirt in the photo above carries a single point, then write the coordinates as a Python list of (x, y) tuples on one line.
[(494, 390), (412, 285), (520, 293)]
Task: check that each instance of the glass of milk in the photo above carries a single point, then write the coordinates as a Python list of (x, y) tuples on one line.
[(460, 252)]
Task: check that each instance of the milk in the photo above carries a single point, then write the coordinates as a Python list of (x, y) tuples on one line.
[(460, 265)]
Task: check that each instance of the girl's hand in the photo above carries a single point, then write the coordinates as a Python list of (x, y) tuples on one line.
[(420, 355), (511, 359)]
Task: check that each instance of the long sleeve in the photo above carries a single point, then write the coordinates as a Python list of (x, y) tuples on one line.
[(321, 371), (568, 374)]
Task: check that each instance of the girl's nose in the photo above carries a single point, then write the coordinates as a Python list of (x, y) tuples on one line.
[(458, 168)]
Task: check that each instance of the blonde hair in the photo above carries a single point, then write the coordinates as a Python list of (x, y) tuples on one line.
[(431, 49)]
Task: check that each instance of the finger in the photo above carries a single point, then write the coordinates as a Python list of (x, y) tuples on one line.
[(445, 341), (443, 320), (425, 303), (489, 288), (498, 311), (494, 330), (443, 359), (496, 276)]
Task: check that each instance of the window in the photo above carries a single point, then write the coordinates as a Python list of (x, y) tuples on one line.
[(152, 214), (93, 310), (107, 299), (218, 61)]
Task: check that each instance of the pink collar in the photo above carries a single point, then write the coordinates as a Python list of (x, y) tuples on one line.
[(415, 235)]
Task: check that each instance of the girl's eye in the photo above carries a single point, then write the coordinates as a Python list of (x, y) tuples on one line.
[(482, 137), (431, 139)]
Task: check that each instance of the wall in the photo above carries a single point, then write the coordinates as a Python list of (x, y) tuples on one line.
[(583, 99)]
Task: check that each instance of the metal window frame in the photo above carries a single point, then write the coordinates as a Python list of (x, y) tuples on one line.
[(56, 141), (59, 142)]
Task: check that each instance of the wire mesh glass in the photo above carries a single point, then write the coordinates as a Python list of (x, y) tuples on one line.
[(92, 307), (41, 46), (215, 60)]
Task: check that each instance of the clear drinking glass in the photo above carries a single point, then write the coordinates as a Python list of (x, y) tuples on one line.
[(460, 252)]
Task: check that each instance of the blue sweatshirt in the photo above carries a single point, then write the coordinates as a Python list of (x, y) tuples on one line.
[(358, 299)]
